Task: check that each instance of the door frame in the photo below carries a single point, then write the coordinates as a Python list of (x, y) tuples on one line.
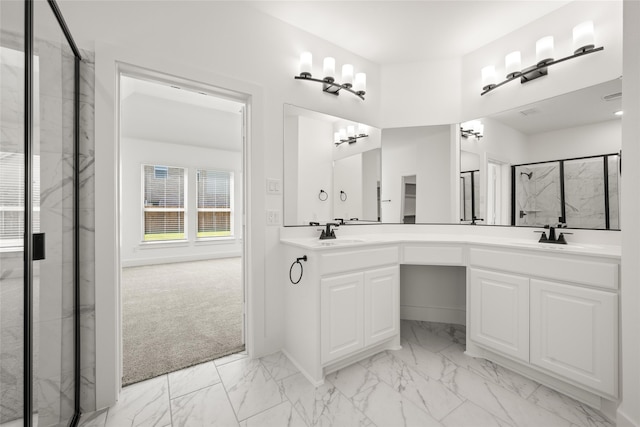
[(110, 61), (163, 79)]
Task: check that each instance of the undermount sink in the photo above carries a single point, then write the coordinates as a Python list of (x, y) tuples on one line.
[(338, 242), (553, 246)]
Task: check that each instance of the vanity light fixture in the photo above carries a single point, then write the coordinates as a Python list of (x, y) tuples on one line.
[(356, 85), (472, 129), (350, 134), (619, 113), (583, 44)]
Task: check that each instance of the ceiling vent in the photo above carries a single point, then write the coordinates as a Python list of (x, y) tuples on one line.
[(530, 111), (612, 96)]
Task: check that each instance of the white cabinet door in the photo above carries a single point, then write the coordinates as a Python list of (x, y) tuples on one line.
[(381, 304), (499, 305), (574, 332), (341, 311)]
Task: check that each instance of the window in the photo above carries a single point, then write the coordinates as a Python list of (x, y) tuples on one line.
[(164, 208), (215, 203), (12, 198)]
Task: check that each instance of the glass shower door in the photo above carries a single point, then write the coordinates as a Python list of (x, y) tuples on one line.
[(37, 188), (11, 211), (54, 216)]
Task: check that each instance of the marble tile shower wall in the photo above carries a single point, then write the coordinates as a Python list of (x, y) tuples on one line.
[(53, 303), (584, 193), (538, 194)]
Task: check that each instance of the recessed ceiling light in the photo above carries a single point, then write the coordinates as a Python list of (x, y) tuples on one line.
[(618, 113)]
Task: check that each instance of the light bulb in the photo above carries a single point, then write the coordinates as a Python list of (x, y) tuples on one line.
[(362, 129), (347, 75), (336, 137), (351, 131), (360, 84), (305, 64), (343, 134), (488, 77), (512, 63), (544, 50), (329, 69), (583, 39)]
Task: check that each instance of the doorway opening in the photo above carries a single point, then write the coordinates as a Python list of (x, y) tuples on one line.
[(408, 207), (181, 225)]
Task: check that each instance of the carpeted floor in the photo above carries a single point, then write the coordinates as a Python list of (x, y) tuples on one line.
[(178, 315)]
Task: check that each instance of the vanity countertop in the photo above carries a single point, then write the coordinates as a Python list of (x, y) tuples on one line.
[(363, 240)]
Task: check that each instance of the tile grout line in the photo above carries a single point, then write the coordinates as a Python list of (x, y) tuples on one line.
[(169, 395)]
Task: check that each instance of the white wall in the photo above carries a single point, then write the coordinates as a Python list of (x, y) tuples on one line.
[(425, 152), (347, 177), (433, 293), (562, 78), (135, 153), (580, 141), (315, 167), (421, 93), (629, 411)]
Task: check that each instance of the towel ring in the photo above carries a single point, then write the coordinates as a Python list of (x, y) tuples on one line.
[(343, 196), (297, 261), (323, 196)]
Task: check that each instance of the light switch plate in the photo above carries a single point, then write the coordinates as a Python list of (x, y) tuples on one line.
[(273, 217), (274, 186)]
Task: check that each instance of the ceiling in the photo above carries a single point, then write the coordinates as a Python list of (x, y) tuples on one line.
[(585, 106), (391, 32)]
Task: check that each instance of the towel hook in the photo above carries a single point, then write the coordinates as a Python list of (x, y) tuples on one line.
[(323, 195)]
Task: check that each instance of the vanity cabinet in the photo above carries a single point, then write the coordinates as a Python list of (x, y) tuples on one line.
[(500, 315), (567, 329), (358, 310), (574, 333)]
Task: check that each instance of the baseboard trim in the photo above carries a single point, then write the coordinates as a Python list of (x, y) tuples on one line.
[(622, 420), (181, 258), (456, 316)]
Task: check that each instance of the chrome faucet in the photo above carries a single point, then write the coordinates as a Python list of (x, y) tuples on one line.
[(328, 233)]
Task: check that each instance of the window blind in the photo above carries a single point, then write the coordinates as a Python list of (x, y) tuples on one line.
[(214, 203), (164, 210), (12, 198)]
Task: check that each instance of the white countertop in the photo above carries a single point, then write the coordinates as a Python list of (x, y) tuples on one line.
[(360, 240)]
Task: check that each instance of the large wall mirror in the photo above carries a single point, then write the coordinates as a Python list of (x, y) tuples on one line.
[(399, 175), (331, 169), (553, 162)]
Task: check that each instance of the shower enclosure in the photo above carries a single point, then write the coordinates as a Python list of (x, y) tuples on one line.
[(39, 318), (469, 195), (580, 192)]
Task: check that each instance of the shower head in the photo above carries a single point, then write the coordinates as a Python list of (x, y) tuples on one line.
[(527, 174)]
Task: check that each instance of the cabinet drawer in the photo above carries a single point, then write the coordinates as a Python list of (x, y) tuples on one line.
[(561, 268), (433, 255), (357, 259)]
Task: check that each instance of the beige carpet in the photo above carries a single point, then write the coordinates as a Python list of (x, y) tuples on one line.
[(178, 315)]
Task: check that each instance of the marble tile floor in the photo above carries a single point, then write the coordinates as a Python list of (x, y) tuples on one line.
[(430, 382)]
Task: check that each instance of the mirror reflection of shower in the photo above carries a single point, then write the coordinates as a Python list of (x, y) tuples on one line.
[(409, 199), (579, 193)]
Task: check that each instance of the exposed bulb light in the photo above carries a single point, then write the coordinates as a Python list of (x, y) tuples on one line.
[(583, 44), (360, 83), (347, 75), (306, 60), (329, 85), (488, 77), (329, 69), (473, 129), (362, 129), (351, 131), (544, 50), (619, 113), (343, 134), (583, 37), (513, 64), (336, 137)]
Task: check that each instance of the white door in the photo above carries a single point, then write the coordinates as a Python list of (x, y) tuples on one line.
[(381, 304), (574, 333), (341, 311), (500, 312)]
